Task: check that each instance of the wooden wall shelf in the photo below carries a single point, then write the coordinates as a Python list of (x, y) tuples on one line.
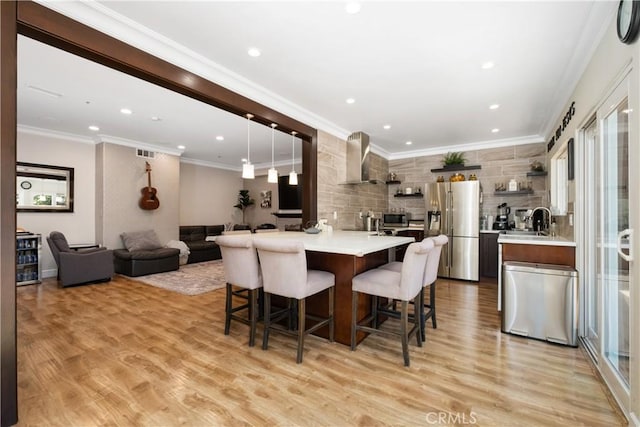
[(455, 168), (417, 195), (393, 182), (537, 173), (287, 215)]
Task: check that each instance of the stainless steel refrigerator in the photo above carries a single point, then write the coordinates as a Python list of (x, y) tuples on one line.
[(453, 208)]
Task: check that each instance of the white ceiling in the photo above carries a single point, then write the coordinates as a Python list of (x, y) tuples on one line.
[(413, 65)]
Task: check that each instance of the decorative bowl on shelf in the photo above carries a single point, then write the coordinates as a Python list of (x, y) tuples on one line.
[(456, 177)]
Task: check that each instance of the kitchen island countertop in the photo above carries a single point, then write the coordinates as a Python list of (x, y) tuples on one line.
[(357, 243)]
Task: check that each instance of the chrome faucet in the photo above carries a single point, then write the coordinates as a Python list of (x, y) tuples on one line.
[(543, 222)]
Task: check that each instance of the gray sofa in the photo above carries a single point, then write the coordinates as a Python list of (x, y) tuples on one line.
[(200, 249), (144, 254)]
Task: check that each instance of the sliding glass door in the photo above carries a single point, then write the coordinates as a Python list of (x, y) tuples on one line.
[(607, 272)]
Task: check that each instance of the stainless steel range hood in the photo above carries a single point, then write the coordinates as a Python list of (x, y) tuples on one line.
[(358, 159)]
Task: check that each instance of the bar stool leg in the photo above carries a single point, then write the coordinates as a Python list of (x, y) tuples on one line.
[(267, 320), (404, 320), (432, 303), (227, 309), (301, 328), (418, 316), (354, 320), (331, 307), (253, 316)]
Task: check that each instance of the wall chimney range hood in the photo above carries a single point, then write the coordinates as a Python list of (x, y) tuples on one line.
[(358, 159)]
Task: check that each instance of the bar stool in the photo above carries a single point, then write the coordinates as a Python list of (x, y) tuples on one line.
[(284, 273), (242, 270), (430, 277), (402, 286)]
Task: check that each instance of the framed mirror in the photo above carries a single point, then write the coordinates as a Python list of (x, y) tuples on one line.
[(43, 188)]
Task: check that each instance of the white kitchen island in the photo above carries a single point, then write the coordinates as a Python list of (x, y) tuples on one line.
[(345, 254)]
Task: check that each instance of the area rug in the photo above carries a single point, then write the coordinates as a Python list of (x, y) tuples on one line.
[(189, 279)]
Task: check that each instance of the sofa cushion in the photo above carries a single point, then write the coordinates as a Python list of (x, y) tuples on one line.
[(140, 240), (201, 245), (214, 230), (146, 254), (189, 233)]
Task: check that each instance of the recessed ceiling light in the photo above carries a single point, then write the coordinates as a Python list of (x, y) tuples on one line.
[(126, 111), (94, 128), (487, 65), (181, 147), (494, 106), (244, 160), (386, 127), (219, 138), (352, 7), (627, 110), (408, 142), (350, 100), (156, 118), (495, 130), (254, 52)]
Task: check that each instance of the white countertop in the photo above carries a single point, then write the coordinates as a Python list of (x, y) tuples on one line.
[(358, 243), (490, 231), (535, 240)]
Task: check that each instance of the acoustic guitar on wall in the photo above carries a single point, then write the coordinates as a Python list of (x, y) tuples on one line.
[(149, 200)]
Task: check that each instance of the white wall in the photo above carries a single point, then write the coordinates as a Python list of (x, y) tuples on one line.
[(207, 195), (124, 175), (78, 226), (603, 71)]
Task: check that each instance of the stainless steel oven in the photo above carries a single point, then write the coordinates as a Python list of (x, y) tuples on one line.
[(396, 219)]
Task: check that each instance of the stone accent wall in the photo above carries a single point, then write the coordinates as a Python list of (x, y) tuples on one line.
[(498, 165), (347, 200)]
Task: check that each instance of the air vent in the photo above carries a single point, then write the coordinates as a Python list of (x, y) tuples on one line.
[(145, 153)]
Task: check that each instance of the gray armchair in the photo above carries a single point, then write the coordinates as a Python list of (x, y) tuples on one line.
[(82, 266)]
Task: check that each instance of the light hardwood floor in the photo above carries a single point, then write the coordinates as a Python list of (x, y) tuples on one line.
[(124, 353)]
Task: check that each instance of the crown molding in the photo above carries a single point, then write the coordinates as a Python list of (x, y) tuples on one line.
[(484, 145), (258, 167), (101, 18), (207, 164), (55, 134), (137, 144)]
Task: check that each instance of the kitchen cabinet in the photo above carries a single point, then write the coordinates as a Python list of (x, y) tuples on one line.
[(489, 255), (28, 254), (418, 235)]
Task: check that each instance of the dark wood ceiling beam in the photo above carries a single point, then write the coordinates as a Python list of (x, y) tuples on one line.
[(55, 29)]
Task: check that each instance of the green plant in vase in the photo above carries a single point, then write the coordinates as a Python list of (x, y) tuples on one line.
[(244, 201), (454, 158)]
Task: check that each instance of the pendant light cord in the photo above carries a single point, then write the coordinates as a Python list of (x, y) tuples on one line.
[(249, 117)]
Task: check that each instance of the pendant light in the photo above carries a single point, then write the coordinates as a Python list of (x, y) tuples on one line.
[(247, 168), (293, 176), (273, 173)]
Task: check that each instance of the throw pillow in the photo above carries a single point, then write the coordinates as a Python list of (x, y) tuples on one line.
[(141, 240)]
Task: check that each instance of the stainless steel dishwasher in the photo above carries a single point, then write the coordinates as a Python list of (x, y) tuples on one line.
[(540, 301)]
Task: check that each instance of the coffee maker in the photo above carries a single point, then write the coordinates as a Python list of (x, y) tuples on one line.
[(502, 218)]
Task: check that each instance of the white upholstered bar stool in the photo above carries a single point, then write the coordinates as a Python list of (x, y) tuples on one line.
[(242, 270), (430, 277), (403, 286), (285, 273)]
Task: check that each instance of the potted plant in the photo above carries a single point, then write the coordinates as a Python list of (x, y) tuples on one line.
[(244, 201), (455, 158)]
